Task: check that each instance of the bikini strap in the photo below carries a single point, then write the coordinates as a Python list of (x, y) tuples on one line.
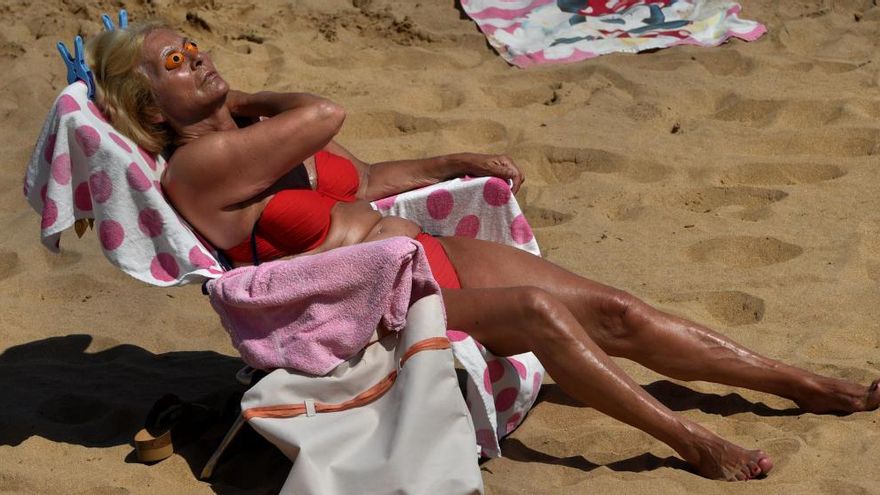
[(254, 244)]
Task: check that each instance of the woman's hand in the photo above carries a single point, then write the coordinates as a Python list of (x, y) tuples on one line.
[(394, 177), (501, 166)]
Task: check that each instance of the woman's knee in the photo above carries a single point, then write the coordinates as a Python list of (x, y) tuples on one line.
[(549, 318), (620, 316)]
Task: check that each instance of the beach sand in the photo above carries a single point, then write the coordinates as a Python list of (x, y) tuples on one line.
[(734, 185)]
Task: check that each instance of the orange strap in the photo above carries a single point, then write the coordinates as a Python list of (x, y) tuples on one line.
[(362, 399)]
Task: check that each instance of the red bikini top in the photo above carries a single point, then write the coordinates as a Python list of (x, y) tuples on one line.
[(297, 220)]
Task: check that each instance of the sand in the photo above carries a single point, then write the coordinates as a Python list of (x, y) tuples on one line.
[(733, 185)]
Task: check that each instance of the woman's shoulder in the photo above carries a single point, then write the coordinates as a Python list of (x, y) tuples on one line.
[(190, 164)]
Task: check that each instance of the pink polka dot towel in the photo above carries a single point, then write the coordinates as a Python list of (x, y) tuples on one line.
[(481, 208), (82, 168)]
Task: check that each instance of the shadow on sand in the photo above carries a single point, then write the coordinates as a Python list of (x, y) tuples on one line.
[(674, 396), (58, 391)]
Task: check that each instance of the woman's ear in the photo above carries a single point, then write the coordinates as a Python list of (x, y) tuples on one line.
[(155, 116)]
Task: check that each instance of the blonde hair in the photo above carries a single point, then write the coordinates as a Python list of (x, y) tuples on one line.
[(122, 90)]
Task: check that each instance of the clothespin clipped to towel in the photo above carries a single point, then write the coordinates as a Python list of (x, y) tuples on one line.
[(77, 70)]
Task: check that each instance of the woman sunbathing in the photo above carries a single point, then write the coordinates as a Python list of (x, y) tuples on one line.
[(281, 187)]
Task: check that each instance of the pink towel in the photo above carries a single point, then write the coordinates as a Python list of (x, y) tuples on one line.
[(313, 312)]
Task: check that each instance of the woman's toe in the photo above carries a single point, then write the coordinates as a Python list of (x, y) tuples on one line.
[(765, 464)]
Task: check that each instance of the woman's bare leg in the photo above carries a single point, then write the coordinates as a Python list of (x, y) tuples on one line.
[(624, 326), (520, 319)]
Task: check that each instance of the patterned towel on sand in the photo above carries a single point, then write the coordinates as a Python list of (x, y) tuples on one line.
[(530, 32)]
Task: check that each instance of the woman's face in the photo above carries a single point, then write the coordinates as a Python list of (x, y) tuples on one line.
[(184, 81)]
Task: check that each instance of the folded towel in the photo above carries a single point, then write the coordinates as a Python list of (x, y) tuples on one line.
[(313, 312), (529, 32)]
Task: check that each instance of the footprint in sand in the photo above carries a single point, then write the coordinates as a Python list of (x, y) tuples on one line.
[(406, 58), (391, 124), (274, 66), (8, 264), (561, 165), (602, 74), (866, 248), (435, 99), (781, 174), (834, 67), (553, 239), (725, 62), (786, 113), (834, 141), (735, 108), (568, 78), (732, 308), (753, 202), (13, 483), (545, 217), (505, 97), (744, 251)]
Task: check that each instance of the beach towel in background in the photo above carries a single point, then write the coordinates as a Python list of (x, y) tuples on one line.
[(529, 32)]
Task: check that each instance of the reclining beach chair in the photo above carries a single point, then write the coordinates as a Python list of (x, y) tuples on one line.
[(84, 173)]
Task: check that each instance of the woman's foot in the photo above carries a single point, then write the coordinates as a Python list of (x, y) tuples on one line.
[(828, 395), (717, 459)]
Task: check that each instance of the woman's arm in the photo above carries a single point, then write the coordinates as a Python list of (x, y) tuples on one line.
[(236, 165), (387, 178), (267, 103)]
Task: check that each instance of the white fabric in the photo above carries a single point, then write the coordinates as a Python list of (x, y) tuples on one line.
[(415, 439)]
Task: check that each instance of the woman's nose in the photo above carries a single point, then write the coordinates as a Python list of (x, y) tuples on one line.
[(195, 59)]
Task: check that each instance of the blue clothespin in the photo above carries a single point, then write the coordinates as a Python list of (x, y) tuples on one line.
[(77, 70), (108, 23)]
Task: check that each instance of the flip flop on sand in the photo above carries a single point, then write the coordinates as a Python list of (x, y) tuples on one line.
[(170, 422)]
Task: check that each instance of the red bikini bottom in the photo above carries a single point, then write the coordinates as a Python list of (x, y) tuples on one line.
[(441, 267)]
